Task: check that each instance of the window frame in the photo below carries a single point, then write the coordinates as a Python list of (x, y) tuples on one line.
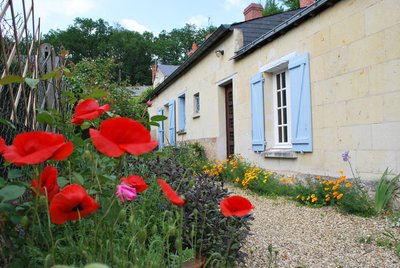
[(277, 143)]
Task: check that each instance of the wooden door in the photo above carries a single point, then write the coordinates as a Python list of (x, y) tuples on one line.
[(230, 135)]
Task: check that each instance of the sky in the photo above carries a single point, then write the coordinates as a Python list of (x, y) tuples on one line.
[(140, 15)]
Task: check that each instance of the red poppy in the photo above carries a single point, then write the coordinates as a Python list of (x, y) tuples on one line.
[(48, 180), (119, 135), (235, 206), (2, 145), (170, 193), (72, 203), (37, 147), (136, 182), (88, 109)]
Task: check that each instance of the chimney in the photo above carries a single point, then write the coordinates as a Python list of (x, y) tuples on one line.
[(253, 11), (153, 71), (306, 3), (194, 48)]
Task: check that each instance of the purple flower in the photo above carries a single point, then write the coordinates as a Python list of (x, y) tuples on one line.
[(125, 192), (345, 156)]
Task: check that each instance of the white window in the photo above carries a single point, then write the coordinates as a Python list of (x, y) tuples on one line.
[(196, 104), (282, 111)]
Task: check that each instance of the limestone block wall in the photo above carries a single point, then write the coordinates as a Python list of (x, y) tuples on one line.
[(355, 89)]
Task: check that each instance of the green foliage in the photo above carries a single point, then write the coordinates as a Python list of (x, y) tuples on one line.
[(291, 4), (385, 190), (271, 7)]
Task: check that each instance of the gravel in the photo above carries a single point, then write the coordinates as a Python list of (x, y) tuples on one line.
[(315, 237)]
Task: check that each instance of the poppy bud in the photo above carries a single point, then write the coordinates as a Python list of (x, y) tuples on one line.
[(154, 229), (142, 236), (87, 155), (171, 230), (122, 216), (24, 221), (131, 218), (191, 183)]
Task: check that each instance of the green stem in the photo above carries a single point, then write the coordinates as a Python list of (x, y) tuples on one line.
[(180, 231), (49, 222), (101, 220)]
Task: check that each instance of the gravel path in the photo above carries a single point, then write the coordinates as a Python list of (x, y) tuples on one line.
[(315, 237)]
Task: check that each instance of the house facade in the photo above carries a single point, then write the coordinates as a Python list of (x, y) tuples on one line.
[(291, 92)]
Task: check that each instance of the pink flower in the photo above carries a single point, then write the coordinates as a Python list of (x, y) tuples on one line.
[(149, 103), (125, 192)]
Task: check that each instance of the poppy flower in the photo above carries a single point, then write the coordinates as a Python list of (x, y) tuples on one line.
[(125, 192), (119, 135), (235, 206), (72, 203), (37, 147), (136, 182), (88, 109), (48, 180), (170, 193), (2, 145)]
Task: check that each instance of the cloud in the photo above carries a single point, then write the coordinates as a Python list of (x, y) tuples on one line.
[(134, 26), (199, 20)]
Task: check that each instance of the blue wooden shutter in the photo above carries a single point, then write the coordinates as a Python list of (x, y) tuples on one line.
[(182, 114), (257, 113), (171, 118), (299, 73), (161, 131)]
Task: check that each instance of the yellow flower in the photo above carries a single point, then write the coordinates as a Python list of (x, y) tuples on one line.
[(341, 171), (302, 198), (308, 198), (314, 199), (317, 177), (335, 187), (339, 196), (298, 196), (348, 185), (282, 179), (237, 180), (335, 194), (313, 196), (327, 199), (326, 189), (327, 195)]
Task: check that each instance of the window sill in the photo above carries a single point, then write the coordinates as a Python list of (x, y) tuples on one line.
[(280, 154), (196, 116), (181, 132)]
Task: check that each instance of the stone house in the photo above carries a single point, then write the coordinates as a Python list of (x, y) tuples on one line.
[(291, 92)]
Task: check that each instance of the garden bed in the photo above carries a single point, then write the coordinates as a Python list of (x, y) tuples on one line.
[(315, 237)]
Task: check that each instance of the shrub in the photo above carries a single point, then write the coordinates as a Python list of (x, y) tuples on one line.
[(385, 190)]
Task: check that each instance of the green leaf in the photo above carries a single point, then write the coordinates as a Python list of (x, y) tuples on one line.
[(85, 125), (32, 82), (97, 93), (7, 123), (11, 192), (15, 173), (9, 79), (107, 177), (158, 118), (78, 178), (154, 124), (62, 181), (6, 207), (78, 140), (67, 73), (53, 74), (44, 117)]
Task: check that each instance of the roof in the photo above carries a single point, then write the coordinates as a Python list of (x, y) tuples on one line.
[(256, 33), (252, 29), (285, 26), (167, 69), (137, 90)]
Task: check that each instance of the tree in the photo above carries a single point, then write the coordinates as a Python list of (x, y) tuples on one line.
[(173, 47), (271, 7), (291, 4)]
